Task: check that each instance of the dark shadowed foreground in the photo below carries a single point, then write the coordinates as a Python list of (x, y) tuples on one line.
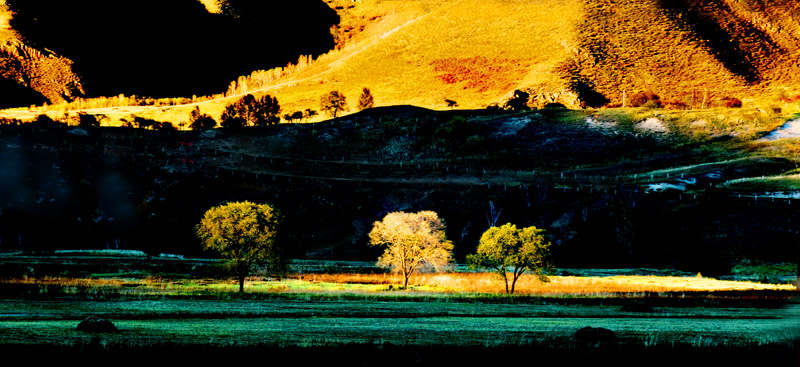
[(309, 330)]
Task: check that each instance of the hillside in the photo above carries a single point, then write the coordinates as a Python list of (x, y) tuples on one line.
[(30, 76), (692, 53), (157, 49), (478, 52), (610, 194)]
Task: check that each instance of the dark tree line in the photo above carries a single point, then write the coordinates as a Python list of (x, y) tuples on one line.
[(250, 111)]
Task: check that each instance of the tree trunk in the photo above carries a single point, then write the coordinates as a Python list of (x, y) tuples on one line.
[(405, 279), (517, 273), (243, 270), (514, 283)]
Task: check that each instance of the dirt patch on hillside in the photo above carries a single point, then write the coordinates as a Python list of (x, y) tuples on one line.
[(652, 125)]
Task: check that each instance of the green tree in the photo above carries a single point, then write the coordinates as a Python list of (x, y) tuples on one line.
[(200, 121), (366, 100), (413, 241), (507, 248), (244, 234), (249, 111), (333, 103)]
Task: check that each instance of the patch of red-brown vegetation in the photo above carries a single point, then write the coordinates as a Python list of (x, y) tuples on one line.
[(479, 73)]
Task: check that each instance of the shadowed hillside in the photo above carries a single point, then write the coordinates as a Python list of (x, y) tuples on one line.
[(174, 48), (30, 76), (15, 94)]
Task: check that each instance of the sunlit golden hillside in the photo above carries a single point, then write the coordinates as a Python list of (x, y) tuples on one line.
[(692, 53)]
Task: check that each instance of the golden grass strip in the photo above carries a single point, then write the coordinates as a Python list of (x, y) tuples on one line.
[(481, 282), (477, 282)]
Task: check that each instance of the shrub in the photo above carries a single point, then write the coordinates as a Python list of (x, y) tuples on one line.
[(88, 121), (293, 117), (366, 100), (42, 121), (653, 103), (309, 113), (675, 105), (641, 98), (732, 102), (518, 101), (554, 105), (200, 121)]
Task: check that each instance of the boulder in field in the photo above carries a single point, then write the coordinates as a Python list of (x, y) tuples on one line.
[(96, 324)]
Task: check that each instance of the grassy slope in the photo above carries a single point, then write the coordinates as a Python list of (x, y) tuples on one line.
[(420, 54), (423, 52), (632, 45), (477, 52)]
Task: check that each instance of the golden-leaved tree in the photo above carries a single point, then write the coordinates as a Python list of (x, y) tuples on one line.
[(244, 234), (413, 241)]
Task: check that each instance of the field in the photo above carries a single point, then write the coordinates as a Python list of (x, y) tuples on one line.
[(365, 319)]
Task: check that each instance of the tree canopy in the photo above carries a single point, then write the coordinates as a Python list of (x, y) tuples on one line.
[(507, 248), (333, 103), (413, 241), (244, 234), (366, 100), (249, 111)]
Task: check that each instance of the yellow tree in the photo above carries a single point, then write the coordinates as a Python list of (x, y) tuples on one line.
[(244, 234), (507, 248), (413, 241)]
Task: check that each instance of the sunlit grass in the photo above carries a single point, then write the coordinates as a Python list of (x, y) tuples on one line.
[(558, 285), (444, 284), (489, 47)]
